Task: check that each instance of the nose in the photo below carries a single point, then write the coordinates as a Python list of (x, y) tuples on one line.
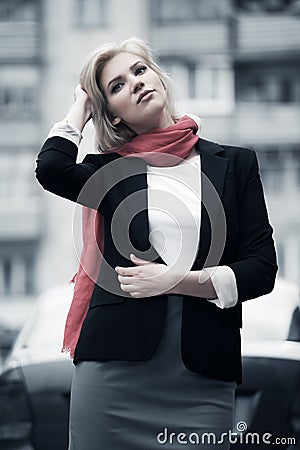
[(137, 85)]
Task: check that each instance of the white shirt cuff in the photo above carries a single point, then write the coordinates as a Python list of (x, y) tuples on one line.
[(224, 283), (67, 131)]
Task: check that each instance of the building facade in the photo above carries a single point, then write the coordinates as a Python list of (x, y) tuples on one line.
[(21, 229), (235, 64)]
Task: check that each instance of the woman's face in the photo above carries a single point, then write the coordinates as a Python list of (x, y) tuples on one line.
[(135, 93)]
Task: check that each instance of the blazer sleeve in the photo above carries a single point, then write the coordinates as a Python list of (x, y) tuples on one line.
[(57, 170), (256, 265)]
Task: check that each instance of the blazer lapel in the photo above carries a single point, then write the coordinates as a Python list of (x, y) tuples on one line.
[(212, 165), (136, 188), (213, 172)]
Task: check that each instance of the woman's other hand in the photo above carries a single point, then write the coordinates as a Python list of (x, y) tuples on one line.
[(146, 278)]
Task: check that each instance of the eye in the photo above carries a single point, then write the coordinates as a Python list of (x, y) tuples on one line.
[(116, 88), (140, 70)]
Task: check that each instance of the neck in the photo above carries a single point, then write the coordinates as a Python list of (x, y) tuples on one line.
[(163, 120)]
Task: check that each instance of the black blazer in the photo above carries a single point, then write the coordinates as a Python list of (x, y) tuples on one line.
[(118, 327)]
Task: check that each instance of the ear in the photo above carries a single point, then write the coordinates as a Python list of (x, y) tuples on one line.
[(116, 121)]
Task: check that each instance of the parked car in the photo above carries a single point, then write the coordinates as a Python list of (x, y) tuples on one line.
[(35, 384), (268, 401)]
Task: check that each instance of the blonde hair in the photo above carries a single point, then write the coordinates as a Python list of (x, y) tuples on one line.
[(107, 134)]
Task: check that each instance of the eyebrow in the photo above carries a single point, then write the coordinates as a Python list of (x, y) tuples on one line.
[(119, 76)]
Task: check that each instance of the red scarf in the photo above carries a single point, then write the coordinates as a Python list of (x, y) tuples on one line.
[(178, 139)]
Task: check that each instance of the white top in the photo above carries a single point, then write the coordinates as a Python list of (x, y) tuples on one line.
[(174, 212)]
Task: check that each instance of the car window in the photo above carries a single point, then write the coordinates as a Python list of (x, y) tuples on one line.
[(273, 316)]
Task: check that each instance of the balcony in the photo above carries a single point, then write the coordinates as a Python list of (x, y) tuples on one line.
[(21, 219), (23, 132), (179, 39), (267, 35), (19, 41), (267, 123), (251, 124)]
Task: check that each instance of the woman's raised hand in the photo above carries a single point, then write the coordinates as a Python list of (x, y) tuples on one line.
[(80, 112), (80, 93)]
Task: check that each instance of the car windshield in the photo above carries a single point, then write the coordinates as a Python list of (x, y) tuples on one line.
[(43, 331), (273, 316)]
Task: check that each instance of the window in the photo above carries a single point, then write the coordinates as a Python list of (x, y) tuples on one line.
[(195, 80), (276, 90), (280, 169), (15, 10), (18, 191), (22, 185), (296, 163), (271, 164), (163, 11), (264, 6), (202, 86), (91, 13), (17, 101), (269, 83), (17, 268), (19, 85)]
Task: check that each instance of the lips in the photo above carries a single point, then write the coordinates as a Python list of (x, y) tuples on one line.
[(142, 94)]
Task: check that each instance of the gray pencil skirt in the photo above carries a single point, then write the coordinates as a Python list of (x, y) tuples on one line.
[(149, 405)]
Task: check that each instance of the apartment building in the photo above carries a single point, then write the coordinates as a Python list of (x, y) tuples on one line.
[(21, 222), (235, 64)]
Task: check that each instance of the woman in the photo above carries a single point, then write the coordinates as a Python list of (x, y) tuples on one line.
[(175, 237)]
